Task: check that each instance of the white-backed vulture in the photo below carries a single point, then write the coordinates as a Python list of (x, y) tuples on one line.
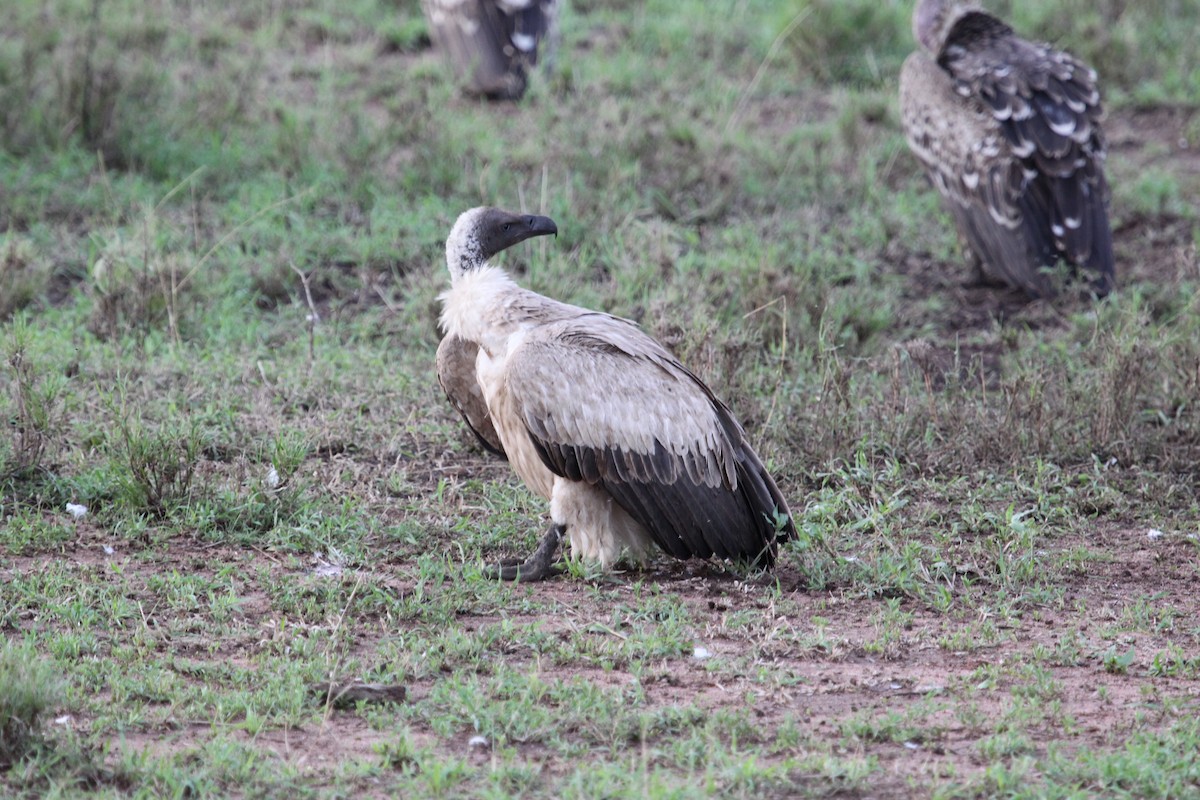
[(1009, 133), (631, 449), (492, 45)]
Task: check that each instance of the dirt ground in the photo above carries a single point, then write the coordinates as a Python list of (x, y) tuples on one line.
[(847, 679)]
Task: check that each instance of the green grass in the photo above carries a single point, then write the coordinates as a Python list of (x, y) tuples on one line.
[(221, 244)]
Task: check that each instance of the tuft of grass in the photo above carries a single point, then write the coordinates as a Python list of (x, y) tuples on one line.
[(35, 401), (1156, 192), (856, 42), (159, 459), (30, 687), (137, 281), (24, 274)]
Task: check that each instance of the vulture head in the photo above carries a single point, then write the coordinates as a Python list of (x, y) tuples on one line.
[(933, 19), (483, 232)]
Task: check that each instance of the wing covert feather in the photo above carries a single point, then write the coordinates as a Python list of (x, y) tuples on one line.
[(456, 374), (1009, 133), (606, 404), (1047, 107)]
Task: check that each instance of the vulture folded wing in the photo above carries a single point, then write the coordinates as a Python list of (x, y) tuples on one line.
[(1017, 246), (492, 43), (456, 373), (1046, 106), (983, 187), (606, 404), (531, 25)]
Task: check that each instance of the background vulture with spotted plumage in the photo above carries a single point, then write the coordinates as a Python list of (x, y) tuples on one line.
[(493, 44), (1009, 133), (631, 449)]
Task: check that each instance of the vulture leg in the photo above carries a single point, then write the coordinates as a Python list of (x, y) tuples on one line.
[(980, 278), (539, 566), (979, 275)]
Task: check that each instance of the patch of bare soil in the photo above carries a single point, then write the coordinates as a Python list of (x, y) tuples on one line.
[(848, 691)]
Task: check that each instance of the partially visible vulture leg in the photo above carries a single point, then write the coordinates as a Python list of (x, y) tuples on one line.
[(632, 451), (492, 45), (979, 276), (1009, 133), (540, 564)]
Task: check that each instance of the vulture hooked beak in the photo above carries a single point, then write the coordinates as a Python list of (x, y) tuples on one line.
[(500, 230), (529, 225)]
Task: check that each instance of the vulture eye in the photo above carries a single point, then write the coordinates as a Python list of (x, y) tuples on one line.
[(507, 225)]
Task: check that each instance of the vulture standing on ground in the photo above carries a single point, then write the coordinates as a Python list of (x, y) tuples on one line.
[(1009, 132), (630, 448), (493, 44)]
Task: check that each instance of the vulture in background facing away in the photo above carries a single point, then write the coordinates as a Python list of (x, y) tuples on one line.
[(630, 448), (493, 44), (1009, 132)]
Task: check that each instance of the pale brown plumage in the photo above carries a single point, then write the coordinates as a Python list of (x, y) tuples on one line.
[(631, 448), (1009, 133), (493, 45), (456, 373)]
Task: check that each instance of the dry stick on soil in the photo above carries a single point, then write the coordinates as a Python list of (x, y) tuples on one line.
[(208, 253), (542, 244), (85, 110), (170, 292), (542, 210), (783, 354), (524, 210), (345, 695), (387, 301), (331, 689), (313, 316), (29, 436), (775, 45)]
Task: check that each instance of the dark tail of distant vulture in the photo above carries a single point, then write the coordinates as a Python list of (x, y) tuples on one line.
[(492, 45)]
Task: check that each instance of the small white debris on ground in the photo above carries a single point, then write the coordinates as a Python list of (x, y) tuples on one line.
[(477, 741), (331, 565), (700, 653), (108, 549), (1154, 534), (76, 510), (272, 479)]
